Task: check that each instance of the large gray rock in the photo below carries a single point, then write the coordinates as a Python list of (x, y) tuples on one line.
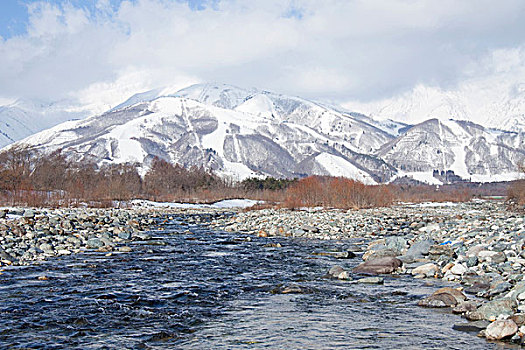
[(475, 326), (501, 329), (516, 290), (378, 254), (429, 270), (420, 248), (46, 248), (492, 309), (338, 272), (379, 266), (4, 255), (443, 297), (371, 280), (94, 243), (396, 244)]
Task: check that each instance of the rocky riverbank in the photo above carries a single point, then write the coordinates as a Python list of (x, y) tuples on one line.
[(28, 236), (478, 245)]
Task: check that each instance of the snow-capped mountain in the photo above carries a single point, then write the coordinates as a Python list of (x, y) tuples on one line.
[(233, 131), (246, 132), (27, 117), (493, 104), (470, 150)]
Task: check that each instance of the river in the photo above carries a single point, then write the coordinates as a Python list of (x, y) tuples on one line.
[(209, 289)]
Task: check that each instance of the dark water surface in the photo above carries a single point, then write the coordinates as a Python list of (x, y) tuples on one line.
[(216, 290)]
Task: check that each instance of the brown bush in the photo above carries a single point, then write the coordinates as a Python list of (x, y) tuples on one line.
[(516, 192), (336, 192)]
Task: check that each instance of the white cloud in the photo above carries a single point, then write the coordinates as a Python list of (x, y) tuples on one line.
[(333, 49)]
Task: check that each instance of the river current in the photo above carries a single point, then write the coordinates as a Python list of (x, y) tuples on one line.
[(194, 288)]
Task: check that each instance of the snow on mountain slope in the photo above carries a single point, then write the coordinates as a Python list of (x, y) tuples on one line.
[(27, 117), (233, 142), (337, 166), (334, 123), (241, 133), (258, 105), (218, 95), (492, 103), (470, 150)]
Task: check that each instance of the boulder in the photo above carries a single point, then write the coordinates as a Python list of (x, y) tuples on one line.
[(443, 297), (478, 287), (396, 244), (438, 250), (492, 309), (475, 326), (429, 270), (379, 266), (518, 289), (29, 214), (291, 289), (94, 243), (377, 254), (345, 255), (474, 251), (519, 319), (458, 269), (420, 248), (371, 280), (338, 272), (124, 235), (5, 255), (465, 307), (501, 329)]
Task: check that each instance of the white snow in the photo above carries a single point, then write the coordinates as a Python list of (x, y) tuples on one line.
[(224, 204), (53, 136), (496, 101), (459, 166), (338, 166), (235, 203), (259, 105), (495, 177), (433, 204), (236, 171), (424, 176), (308, 127)]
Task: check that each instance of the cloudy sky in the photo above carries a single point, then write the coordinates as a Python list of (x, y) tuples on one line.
[(336, 50)]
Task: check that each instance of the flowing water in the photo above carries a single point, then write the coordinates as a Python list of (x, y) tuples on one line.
[(215, 290)]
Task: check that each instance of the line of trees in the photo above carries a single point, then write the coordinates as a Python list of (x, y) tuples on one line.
[(30, 178), (34, 179)]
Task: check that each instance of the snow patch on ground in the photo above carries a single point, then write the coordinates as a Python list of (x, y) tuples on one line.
[(433, 204), (235, 203), (225, 204)]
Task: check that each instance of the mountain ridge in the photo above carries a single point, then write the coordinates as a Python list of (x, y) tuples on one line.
[(246, 132)]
